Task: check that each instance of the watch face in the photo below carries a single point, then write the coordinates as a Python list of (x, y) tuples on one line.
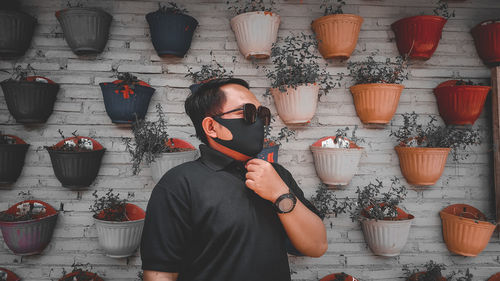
[(285, 205)]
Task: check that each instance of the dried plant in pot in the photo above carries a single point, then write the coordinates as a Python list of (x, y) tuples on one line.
[(418, 36), (272, 143), (486, 37), (338, 277), (171, 30), (78, 273), (86, 30), (27, 226), (76, 160), (119, 224), (255, 27), (432, 271), (296, 78), (466, 231), (126, 98), (460, 102), (423, 149), (337, 33), (16, 29), (153, 146), (7, 275), (336, 158), (12, 154), (30, 99), (377, 87)]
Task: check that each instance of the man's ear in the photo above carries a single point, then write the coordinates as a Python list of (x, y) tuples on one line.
[(208, 124)]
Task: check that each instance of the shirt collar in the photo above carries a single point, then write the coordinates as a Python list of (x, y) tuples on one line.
[(214, 159)]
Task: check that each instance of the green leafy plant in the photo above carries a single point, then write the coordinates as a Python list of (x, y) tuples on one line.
[(342, 134), (284, 134), (412, 134), (245, 6), (442, 10), (372, 71), (171, 7), (109, 207), (332, 7), (210, 71), (295, 62), (327, 203), (432, 271)]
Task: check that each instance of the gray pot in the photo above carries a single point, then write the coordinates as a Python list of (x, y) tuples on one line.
[(16, 31), (119, 239), (169, 160)]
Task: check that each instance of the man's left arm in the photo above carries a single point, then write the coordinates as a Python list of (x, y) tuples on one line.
[(304, 228)]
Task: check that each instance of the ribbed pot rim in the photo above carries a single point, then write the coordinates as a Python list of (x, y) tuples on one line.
[(14, 144), (54, 151), (260, 13), (11, 81), (308, 85), (422, 17), (81, 9), (11, 12), (484, 24), (111, 85), (177, 153), (401, 221), (320, 149), (335, 17), (422, 149), (470, 222), (118, 223), (471, 87), (13, 223), (377, 85), (150, 14)]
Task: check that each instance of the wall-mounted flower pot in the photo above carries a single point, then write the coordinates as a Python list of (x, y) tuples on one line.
[(75, 169), (336, 166), (29, 237), (81, 275), (422, 166), (460, 104), (418, 36), (12, 160), (337, 276), (16, 31), (124, 103), (30, 101), (465, 229), (387, 237), (486, 37), (255, 33), (169, 160), (8, 275), (495, 277), (270, 153), (171, 33), (337, 34), (86, 29), (296, 106), (121, 239), (376, 103)]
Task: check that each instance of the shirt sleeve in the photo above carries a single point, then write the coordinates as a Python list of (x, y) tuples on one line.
[(167, 227)]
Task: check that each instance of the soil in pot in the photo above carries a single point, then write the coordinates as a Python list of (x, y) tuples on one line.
[(16, 32), (80, 275), (486, 37), (12, 154)]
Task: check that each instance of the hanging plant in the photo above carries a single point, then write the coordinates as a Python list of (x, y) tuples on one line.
[(209, 71), (273, 143), (377, 87), (12, 154), (418, 36), (337, 33), (432, 271), (171, 29), (17, 28), (30, 98)]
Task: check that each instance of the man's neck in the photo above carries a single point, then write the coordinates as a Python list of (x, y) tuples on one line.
[(227, 151)]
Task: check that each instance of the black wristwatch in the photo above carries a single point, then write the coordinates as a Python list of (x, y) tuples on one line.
[(285, 203)]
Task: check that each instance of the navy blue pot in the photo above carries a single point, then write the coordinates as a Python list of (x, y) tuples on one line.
[(171, 33), (123, 108), (270, 154)]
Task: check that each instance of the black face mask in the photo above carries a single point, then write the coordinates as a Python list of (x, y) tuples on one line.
[(247, 139)]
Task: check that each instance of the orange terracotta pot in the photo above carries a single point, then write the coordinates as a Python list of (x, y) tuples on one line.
[(337, 34), (422, 165), (376, 103), (464, 230)]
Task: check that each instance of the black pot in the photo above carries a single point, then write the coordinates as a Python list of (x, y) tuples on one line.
[(171, 33), (76, 169), (29, 101), (86, 29), (11, 161), (16, 31), (123, 108)]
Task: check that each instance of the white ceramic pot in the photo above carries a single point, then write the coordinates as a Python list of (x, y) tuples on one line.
[(169, 160), (119, 239), (255, 33), (336, 166), (386, 237), (296, 106)]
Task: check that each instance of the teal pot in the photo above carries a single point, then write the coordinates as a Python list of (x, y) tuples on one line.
[(270, 154)]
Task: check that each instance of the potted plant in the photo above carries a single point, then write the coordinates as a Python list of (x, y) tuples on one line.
[(297, 78), (16, 29), (336, 158), (255, 27), (126, 98), (7, 275), (466, 231), (272, 143), (76, 160), (460, 102), (208, 71), (418, 36), (486, 35), (377, 87), (119, 224), (12, 154), (86, 30), (171, 30), (423, 150), (337, 33), (338, 277), (27, 226), (30, 99), (432, 271), (154, 146), (79, 274)]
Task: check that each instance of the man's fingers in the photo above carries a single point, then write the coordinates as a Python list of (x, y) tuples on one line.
[(256, 161), (252, 167), (251, 175), (250, 184)]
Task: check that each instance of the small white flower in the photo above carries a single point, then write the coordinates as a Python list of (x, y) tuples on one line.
[(86, 143)]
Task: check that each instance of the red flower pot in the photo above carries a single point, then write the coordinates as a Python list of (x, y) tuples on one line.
[(334, 276), (495, 277), (487, 37), (418, 36), (460, 104), (84, 275), (10, 275)]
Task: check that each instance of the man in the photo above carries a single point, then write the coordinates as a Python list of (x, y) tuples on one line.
[(226, 216)]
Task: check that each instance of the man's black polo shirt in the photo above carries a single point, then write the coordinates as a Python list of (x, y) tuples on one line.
[(204, 223)]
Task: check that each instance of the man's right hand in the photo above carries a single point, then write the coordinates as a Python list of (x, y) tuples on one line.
[(159, 276)]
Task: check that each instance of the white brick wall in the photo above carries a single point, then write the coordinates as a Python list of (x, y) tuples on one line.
[(79, 106)]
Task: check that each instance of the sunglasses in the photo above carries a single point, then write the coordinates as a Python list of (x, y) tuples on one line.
[(250, 113)]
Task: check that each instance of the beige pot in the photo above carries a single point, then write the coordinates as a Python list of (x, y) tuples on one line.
[(169, 160), (296, 106), (386, 238), (336, 166), (255, 33)]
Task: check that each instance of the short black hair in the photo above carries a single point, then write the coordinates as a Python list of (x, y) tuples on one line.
[(206, 99)]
